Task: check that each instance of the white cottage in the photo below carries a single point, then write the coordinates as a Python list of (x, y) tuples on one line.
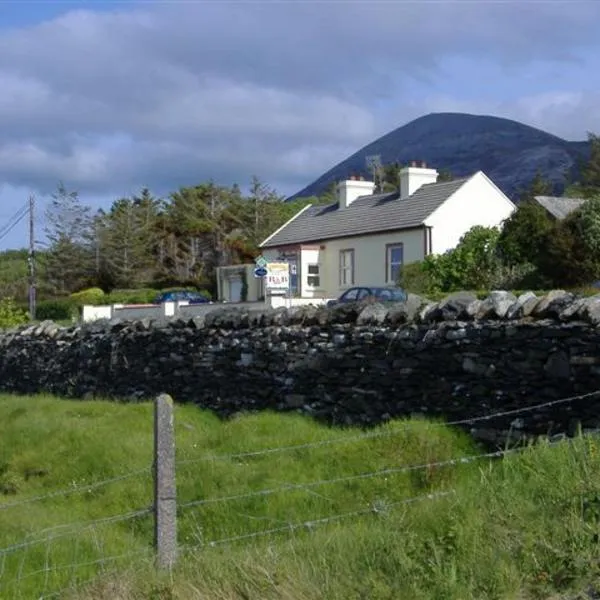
[(364, 239)]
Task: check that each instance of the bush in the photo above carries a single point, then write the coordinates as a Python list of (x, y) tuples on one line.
[(141, 296), (59, 309), (10, 314), (92, 296)]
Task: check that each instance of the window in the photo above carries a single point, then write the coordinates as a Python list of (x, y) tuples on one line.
[(349, 296), (313, 278), (394, 260), (346, 268)]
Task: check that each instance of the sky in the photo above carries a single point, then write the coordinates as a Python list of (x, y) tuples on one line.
[(109, 96)]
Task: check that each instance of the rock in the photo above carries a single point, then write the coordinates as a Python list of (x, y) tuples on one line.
[(552, 304), (558, 366), (523, 306), (500, 302), (405, 312), (372, 314), (589, 310), (456, 306)]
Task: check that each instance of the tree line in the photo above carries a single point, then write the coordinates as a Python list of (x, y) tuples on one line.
[(146, 241)]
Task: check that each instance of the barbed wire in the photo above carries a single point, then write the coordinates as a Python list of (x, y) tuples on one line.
[(82, 487), (347, 478), (90, 563), (378, 434), (76, 528), (373, 509)]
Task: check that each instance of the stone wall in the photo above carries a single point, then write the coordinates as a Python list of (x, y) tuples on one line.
[(353, 364)]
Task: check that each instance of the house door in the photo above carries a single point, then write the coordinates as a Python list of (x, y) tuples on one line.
[(235, 290)]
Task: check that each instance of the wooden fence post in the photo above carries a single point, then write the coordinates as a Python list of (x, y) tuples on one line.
[(165, 495)]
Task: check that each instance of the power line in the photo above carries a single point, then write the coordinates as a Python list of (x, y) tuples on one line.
[(14, 221)]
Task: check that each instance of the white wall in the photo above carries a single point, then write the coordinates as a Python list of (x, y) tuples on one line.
[(369, 258), (229, 283), (477, 202)]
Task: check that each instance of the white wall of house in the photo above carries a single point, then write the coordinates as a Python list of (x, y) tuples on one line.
[(370, 254), (477, 202)]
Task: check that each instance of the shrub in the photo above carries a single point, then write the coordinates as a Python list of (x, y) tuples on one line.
[(93, 296), (59, 309), (10, 314), (141, 296)]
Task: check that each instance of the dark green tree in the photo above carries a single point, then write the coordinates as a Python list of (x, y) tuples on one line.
[(69, 229)]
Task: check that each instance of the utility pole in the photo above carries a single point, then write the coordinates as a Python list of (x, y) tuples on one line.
[(31, 259)]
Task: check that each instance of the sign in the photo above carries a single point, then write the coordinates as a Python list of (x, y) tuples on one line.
[(260, 272), (278, 276), (261, 262)]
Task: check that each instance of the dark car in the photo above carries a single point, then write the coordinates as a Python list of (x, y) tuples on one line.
[(375, 294), (181, 296)]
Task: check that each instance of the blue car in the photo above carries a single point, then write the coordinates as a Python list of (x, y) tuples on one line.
[(370, 293), (181, 296)]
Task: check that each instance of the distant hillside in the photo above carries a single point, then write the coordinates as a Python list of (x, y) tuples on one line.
[(508, 152)]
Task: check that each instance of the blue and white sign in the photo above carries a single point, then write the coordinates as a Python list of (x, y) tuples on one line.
[(260, 272), (261, 263)]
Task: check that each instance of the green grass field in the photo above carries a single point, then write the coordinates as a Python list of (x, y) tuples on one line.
[(523, 527)]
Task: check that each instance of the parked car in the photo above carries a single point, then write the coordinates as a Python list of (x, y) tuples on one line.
[(375, 294), (181, 296)]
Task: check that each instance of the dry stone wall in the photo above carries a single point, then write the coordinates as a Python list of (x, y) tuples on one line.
[(353, 364)]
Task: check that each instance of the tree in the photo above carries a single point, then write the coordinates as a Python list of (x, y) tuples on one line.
[(524, 234), (539, 186), (590, 172), (473, 264), (445, 175), (572, 250), (69, 231), (127, 245), (376, 169)]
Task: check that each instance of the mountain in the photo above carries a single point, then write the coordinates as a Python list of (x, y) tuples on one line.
[(507, 151)]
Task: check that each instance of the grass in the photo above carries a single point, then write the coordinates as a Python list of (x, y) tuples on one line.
[(524, 527)]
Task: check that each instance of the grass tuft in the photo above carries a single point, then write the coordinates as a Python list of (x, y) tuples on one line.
[(527, 526)]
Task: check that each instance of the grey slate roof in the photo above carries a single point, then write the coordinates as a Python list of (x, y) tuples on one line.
[(366, 215), (559, 208)]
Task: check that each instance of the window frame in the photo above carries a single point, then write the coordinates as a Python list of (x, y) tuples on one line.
[(343, 268), (311, 276), (388, 261)]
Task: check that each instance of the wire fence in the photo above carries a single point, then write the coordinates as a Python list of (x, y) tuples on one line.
[(63, 557)]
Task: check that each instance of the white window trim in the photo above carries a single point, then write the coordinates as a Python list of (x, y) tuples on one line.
[(308, 275), (388, 261), (344, 268)]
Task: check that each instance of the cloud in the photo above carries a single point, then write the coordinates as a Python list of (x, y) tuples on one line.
[(167, 95)]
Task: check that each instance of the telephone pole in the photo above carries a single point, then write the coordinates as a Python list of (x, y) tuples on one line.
[(31, 259)]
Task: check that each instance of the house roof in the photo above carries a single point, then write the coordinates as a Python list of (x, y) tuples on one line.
[(366, 215), (559, 208)]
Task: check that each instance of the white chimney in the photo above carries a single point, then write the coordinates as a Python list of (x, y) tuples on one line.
[(414, 176), (351, 189)]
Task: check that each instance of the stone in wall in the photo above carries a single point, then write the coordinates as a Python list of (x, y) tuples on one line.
[(354, 364)]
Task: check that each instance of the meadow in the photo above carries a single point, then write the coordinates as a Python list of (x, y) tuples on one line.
[(276, 506)]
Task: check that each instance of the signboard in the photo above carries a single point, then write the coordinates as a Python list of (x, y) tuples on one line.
[(278, 277), (260, 272), (261, 262)]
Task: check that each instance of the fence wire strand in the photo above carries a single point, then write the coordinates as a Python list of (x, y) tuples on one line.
[(324, 520), (379, 434), (76, 489), (76, 528)]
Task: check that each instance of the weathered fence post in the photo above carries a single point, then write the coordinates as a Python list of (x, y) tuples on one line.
[(165, 497)]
